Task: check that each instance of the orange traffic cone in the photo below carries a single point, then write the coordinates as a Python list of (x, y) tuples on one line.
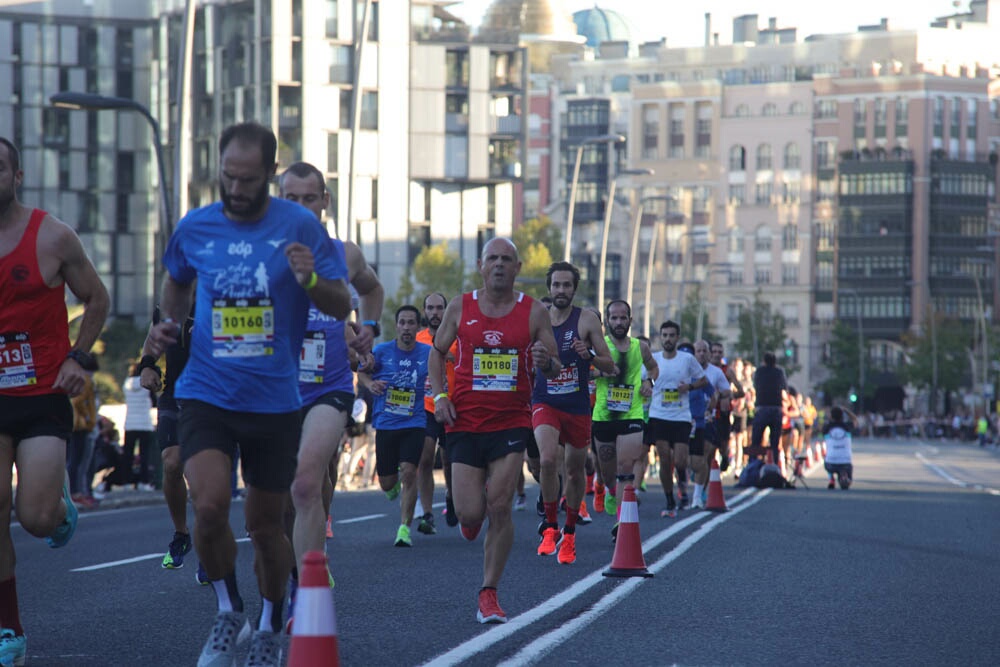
[(314, 633), (628, 560), (716, 498)]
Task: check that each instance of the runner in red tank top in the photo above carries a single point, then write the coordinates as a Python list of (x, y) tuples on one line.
[(39, 257), (502, 335)]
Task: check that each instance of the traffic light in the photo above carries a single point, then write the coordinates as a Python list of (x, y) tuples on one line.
[(791, 351), (853, 395)]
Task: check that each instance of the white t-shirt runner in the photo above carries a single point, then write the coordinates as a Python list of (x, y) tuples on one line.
[(668, 403)]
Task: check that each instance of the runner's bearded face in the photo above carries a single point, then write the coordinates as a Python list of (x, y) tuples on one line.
[(243, 186), (619, 321), (561, 289), (406, 327), (434, 311)]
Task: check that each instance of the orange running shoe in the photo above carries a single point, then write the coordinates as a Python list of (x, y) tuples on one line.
[(599, 497), (489, 607), (584, 514), (550, 538), (329, 528), (567, 549)]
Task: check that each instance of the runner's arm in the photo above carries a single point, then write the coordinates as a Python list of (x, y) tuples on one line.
[(81, 277), (544, 351), (652, 369), (370, 291), (444, 410), (591, 329)]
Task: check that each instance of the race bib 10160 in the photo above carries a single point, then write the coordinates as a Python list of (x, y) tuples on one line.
[(242, 328)]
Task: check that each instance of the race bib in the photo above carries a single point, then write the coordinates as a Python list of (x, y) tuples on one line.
[(494, 369), (17, 366), (567, 382), (671, 398), (312, 360), (242, 328), (620, 397), (400, 401)]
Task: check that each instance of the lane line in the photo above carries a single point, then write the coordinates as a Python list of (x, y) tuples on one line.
[(474, 646), (128, 561), (367, 517), (948, 477)]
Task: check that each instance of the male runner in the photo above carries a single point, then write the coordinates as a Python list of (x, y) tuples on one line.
[(723, 408), (257, 262), (326, 382), (501, 335), (39, 257), (560, 411), (670, 414), (434, 305), (617, 417), (397, 379), (703, 402)]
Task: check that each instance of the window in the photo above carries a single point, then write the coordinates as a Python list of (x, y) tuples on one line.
[(764, 158), (769, 110), (650, 132), (345, 109), (737, 194), (881, 117), (762, 240), (332, 152), (341, 68), (676, 139), (796, 108), (956, 114), (938, 117), (792, 158), (369, 110), (789, 274), (824, 155), (762, 275), (736, 241), (331, 18), (742, 111), (902, 117), (733, 311), (457, 69), (790, 237), (737, 158), (703, 130), (826, 109), (763, 192), (860, 119), (971, 119), (791, 192)]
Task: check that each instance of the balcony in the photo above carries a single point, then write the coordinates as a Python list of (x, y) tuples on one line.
[(505, 124)]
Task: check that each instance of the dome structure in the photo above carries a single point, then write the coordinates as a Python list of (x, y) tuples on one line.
[(602, 25), (545, 26)]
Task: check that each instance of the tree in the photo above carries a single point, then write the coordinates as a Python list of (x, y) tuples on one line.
[(541, 231), (436, 269), (694, 309), (535, 263), (842, 362), (952, 348), (769, 328)]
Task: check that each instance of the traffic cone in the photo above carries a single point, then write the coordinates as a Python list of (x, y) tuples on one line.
[(314, 633), (716, 498), (628, 560)]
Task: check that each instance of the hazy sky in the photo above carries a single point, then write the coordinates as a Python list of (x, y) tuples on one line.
[(683, 22)]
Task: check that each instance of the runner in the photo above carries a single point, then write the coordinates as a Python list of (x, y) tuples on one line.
[(703, 403), (326, 382), (617, 419), (561, 410), (501, 335), (39, 257), (723, 409), (257, 262), (670, 413), (397, 379), (434, 305)]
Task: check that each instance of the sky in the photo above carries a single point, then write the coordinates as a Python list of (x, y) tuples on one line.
[(683, 22)]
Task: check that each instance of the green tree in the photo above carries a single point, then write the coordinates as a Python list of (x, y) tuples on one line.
[(769, 328), (694, 309), (952, 348), (542, 231), (535, 263), (436, 269), (842, 362)]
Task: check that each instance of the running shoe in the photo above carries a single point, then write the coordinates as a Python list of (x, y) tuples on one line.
[(599, 498), (683, 504), (520, 503), (265, 650), (539, 506), (12, 648), (393, 493), (614, 532), (611, 505), (642, 486), (550, 538), (567, 549), (64, 531), (230, 628), (450, 516), (329, 528), (585, 517), (670, 511), (489, 607), (179, 547), (831, 484), (426, 525), (470, 533), (201, 576), (403, 536)]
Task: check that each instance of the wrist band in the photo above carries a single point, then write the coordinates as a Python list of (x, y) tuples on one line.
[(313, 279), (440, 396)]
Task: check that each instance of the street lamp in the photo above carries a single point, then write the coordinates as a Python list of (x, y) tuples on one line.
[(94, 102), (602, 267), (985, 331), (932, 407), (601, 139), (861, 345), (634, 247), (649, 278), (753, 324)]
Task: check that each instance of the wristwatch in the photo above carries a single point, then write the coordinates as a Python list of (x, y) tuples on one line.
[(376, 329), (85, 359)]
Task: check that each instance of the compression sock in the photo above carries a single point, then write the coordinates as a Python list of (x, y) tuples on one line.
[(572, 515), (551, 512)]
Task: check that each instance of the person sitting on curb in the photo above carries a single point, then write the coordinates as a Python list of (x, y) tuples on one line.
[(837, 433)]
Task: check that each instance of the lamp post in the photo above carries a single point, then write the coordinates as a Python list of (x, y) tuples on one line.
[(601, 139), (649, 279), (753, 325), (861, 346), (932, 316), (602, 267), (634, 247), (984, 330), (94, 102)]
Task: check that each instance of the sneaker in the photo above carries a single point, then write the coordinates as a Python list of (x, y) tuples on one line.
[(403, 536), (229, 629), (696, 502), (520, 503), (265, 650), (12, 648), (831, 485), (450, 516), (539, 506), (614, 532), (201, 576), (611, 505), (642, 486), (393, 493), (64, 531), (145, 487), (584, 516), (471, 532), (550, 538), (670, 511), (329, 528), (599, 495), (179, 547), (567, 549), (684, 501), (426, 525), (489, 607)]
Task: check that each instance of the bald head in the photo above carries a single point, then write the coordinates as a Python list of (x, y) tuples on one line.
[(702, 352)]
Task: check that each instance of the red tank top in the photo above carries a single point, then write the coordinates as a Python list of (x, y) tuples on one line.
[(492, 389), (34, 333)]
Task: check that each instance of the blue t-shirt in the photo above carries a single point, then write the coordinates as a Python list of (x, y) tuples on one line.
[(698, 400), (250, 313), (401, 405)]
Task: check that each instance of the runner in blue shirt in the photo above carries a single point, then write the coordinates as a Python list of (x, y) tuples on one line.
[(397, 379), (257, 262)]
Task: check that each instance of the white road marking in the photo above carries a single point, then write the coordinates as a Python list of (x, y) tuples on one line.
[(944, 474), (367, 517), (127, 561)]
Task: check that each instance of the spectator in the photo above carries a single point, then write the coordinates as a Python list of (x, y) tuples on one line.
[(140, 429), (81, 442), (838, 436)]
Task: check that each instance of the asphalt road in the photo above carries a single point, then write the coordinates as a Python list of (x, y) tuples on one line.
[(904, 568)]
